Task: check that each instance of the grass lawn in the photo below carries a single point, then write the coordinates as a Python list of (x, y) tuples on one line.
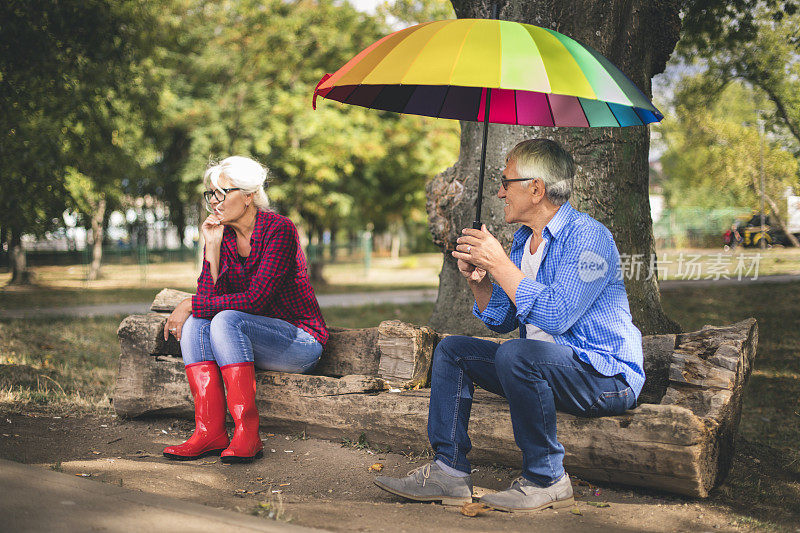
[(60, 286), (69, 365)]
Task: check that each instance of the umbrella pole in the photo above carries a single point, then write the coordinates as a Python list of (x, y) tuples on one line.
[(476, 224)]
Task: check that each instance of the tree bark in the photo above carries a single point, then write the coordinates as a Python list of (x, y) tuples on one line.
[(20, 275), (776, 215), (611, 181), (98, 216)]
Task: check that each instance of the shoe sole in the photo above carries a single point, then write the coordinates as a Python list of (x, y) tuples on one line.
[(235, 459), (569, 502), (445, 501), (176, 457)]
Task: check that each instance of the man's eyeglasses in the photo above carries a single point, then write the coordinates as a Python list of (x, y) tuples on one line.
[(505, 181), (217, 194)]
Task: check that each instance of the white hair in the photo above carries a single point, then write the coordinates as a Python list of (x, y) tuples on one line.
[(245, 173), (547, 161)]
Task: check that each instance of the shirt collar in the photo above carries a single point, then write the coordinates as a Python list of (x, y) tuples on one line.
[(565, 214)]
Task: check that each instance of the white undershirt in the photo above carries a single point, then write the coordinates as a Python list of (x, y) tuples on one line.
[(530, 267)]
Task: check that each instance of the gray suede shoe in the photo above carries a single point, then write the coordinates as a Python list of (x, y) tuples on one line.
[(429, 483), (524, 496)]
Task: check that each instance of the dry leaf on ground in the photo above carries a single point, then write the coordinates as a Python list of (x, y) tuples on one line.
[(377, 467), (599, 504), (473, 509)]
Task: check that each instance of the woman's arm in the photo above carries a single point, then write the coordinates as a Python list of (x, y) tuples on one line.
[(276, 260), (212, 233)]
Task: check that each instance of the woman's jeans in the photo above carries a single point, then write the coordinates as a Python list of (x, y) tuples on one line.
[(237, 337), (536, 378)]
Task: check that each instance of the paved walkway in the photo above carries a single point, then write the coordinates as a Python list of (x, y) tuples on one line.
[(359, 298), (35, 499), (325, 300)]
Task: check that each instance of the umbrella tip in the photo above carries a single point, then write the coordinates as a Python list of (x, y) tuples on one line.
[(316, 91)]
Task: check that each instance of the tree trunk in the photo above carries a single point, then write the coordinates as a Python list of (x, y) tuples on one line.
[(611, 180), (776, 215), (395, 246), (98, 217), (316, 260), (20, 275)]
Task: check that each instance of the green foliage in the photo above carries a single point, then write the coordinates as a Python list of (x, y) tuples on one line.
[(409, 12), (714, 150), (74, 95), (243, 76)]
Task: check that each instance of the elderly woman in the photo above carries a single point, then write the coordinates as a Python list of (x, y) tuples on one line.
[(254, 307)]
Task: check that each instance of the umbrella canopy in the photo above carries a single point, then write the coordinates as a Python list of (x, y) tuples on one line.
[(537, 77)]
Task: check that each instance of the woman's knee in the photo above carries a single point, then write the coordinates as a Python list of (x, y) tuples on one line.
[(225, 322), (192, 342)]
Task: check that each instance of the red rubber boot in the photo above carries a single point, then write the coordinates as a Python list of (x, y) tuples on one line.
[(210, 436), (240, 382)]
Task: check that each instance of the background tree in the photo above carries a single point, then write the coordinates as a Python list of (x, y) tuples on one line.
[(715, 150), (69, 70), (242, 73), (612, 168)]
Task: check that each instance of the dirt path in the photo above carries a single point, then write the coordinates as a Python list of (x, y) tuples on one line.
[(322, 484)]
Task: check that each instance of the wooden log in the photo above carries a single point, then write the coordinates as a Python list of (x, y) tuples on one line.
[(348, 351), (679, 439), (167, 299), (406, 353), (682, 445)]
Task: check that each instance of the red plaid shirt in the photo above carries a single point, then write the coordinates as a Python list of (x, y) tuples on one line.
[(272, 282)]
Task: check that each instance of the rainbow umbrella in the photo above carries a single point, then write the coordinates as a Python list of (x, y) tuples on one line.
[(490, 71)]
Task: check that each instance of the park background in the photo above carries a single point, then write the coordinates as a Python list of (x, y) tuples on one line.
[(106, 135)]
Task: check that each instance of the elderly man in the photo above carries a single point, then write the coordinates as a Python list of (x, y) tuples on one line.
[(579, 351)]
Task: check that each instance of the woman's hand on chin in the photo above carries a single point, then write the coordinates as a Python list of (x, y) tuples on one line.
[(212, 229)]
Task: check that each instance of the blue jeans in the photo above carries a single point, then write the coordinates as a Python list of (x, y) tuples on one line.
[(536, 378), (237, 337)]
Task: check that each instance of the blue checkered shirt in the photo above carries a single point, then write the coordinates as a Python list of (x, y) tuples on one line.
[(578, 296)]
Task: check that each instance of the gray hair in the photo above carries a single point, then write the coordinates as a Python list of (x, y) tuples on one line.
[(245, 173), (545, 160)]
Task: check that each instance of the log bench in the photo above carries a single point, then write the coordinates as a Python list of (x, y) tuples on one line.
[(680, 438)]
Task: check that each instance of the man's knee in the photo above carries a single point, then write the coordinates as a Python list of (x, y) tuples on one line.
[(448, 347), (509, 356)]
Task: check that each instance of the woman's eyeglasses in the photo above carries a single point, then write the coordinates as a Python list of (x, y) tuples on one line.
[(217, 194), (505, 181)]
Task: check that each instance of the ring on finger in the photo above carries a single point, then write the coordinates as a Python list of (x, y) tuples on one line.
[(469, 248)]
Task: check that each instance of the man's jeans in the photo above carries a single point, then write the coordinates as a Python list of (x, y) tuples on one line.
[(237, 337), (536, 378)]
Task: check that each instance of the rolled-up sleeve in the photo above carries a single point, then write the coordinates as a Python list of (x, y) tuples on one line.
[(587, 267), (277, 257), (500, 313)]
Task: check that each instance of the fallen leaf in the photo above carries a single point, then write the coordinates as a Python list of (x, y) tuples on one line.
[(270, 434), (284, 484), (473, 509), (416, 387), (95, 452), (277, 491), (576, 511), (377, 467), (207, 462), (599, 504), (83, 475)]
